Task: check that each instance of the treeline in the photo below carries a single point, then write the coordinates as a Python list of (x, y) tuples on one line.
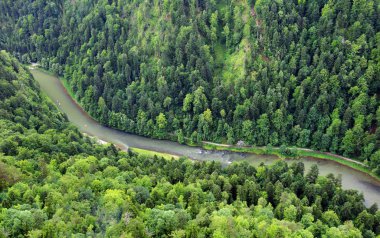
[(56, 183), (303, 73)]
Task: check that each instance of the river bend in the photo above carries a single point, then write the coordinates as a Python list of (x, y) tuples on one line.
[(52, 86)]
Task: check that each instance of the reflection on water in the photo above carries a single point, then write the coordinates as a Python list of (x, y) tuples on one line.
[(351, 179)]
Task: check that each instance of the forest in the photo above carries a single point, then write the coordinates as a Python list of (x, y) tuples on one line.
[(295, 73), (55, 182)]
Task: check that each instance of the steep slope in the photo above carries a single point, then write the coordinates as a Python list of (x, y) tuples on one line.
[(302, 73), (56, 183)]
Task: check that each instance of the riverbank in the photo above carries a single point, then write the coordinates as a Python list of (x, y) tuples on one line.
[(53, 88), (84, 122), (151, 153), (148, 153), (64, 81), (296, 153)]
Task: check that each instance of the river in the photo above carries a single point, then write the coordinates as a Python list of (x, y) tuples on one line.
[(52, 86)]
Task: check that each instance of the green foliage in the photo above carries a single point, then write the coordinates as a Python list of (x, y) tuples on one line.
[(161, 123), (57, 183), (304, 73)]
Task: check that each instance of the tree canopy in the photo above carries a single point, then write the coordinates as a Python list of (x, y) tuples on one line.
[(302, 73), (54, 182)]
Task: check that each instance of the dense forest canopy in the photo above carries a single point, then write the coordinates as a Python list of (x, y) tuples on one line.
[(54, 182), (303, 73)]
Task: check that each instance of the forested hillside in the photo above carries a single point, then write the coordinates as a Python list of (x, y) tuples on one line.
[(302, 73), (56, 183)]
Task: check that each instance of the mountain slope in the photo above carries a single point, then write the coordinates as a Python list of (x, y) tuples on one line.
[(56, 183), (302, 73)]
